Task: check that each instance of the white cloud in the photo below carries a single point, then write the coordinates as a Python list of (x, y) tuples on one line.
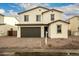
[(27, 6), (70, 10), (2, 11), (8, 12), (70, 7), (11, 13)]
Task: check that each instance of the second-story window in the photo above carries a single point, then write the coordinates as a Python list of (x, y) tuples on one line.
[(38, 17), (52, 17), (26, 17)]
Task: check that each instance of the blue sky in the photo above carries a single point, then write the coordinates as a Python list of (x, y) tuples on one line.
[(10, 6), (14, 8), (17, 8), (59, 4)]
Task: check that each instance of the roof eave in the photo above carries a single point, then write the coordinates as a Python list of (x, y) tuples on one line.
[(3, 24), (33, 9), (58, 21), (29, 24), (1, 14)]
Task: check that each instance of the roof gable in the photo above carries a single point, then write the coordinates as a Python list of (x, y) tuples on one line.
[(72, 17), (52, 11), (33, 9), (59, 21)]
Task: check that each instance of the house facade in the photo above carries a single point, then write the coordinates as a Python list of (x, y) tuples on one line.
[(39, 20), (10, 28), (7, 26), (36, 22), (2, 25), (74, 25)]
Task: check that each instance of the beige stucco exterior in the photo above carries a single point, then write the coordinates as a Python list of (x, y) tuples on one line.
[(52, 30), (9, 23), (5, 28), (1, 19), (32, 16), (74, 24), (45, 19), (2, 26), (32, 20)]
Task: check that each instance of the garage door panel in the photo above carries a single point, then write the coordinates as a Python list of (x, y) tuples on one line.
[(30, 32)]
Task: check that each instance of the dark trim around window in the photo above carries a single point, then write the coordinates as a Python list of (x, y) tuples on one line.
[(38, 17), (52, 17), (59, 28), (26, 17)]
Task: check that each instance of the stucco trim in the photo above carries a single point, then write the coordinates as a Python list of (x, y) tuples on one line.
[(42, 24), (31, 24)]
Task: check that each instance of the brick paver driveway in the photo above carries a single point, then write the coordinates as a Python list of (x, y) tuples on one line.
[(13, 42)]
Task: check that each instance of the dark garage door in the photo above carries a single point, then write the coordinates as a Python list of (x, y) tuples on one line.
[(30, 32)]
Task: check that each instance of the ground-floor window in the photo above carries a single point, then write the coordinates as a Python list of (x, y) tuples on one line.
[(59, 29), (78, 28)]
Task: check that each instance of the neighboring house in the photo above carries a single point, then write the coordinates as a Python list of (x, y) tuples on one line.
[(11, 29), (1, 19), (74, 25), (2, 25), (7, 26), (35, 22)]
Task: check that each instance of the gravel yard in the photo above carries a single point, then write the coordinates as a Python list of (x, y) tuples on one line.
[(22, 46), (13, 42)]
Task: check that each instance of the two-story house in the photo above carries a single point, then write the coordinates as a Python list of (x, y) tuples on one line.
[(39, 20)]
